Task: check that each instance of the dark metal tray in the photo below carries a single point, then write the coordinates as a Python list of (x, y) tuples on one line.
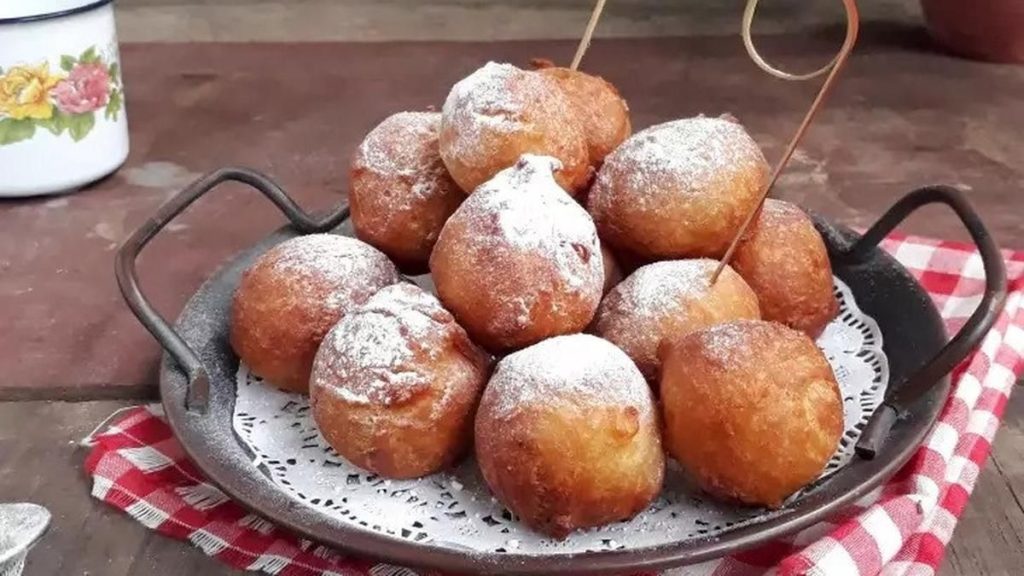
[(197, 385)]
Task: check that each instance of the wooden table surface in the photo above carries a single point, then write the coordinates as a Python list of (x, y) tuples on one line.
[(903, 116)]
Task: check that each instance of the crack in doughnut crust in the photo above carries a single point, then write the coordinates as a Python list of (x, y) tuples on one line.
[(401, 193), (752, 410), (395, 384), (293, 294), (667, 300), (785, 262), (679, 189), (497, 114), (567, 435), (520, 260)]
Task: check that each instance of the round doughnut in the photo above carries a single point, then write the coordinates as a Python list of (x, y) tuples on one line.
[(785, 262), (497, 114), (401, 193), (679, 189), (292, 295), (667, 300), (567, 435), (519, 261), (752, 410), (598, 105), (395, 385)]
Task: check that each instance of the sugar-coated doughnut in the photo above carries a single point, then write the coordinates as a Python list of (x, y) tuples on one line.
[(567, 435), (666, 300), (520, 260), (396, 383), (293, 294), (785, 262), (679, 189), (401, 193), (752, 410), (603, 113), (497, 114)]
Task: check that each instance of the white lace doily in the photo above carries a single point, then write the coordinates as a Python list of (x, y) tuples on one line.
[(456, 508)]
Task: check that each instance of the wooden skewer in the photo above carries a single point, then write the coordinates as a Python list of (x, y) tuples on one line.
[(587, 35), (852, 28)]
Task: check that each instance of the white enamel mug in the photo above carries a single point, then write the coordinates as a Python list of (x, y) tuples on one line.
[(62, 117)]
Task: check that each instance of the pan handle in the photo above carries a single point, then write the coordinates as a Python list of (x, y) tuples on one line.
[(899, 398), (127, 279)]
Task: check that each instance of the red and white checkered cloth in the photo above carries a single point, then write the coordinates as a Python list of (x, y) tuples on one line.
[(900, 529)]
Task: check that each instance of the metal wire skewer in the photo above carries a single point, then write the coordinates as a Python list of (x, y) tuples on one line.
[(833, 69)]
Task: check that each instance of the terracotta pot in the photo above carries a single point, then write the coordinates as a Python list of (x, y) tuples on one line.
[(983, 29)]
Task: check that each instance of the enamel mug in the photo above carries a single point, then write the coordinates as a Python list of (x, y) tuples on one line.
[(62, 117)]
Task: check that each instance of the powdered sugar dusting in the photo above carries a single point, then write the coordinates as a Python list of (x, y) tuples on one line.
[(535, 215), (581, 368), (725, 342), (679, 157), (367, 358), (482, 101), (522, 214), (403, 150), (659, 287), (333, 259), (493, 101)]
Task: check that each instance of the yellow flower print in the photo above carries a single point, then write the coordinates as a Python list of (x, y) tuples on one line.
[(24, 92)]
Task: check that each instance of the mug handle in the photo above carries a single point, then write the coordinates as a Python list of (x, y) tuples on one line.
[(198, 394), (899, 398)]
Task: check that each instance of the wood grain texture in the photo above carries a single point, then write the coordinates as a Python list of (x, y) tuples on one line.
[(903, 116), (989, 539), (900, 118)]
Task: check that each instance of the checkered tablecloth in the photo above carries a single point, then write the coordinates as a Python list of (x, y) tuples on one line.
[(901, 529)]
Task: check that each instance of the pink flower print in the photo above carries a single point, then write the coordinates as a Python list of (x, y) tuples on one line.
[(86, 88)]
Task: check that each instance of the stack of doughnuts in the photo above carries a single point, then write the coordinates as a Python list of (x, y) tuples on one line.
[(576, 336)]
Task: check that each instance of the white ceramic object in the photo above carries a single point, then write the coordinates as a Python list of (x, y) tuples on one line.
[(62, 118)]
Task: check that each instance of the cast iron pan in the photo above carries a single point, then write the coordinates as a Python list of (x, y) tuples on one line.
[(197, 384)]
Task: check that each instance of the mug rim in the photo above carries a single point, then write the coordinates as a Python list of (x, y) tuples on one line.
[(86, 7)]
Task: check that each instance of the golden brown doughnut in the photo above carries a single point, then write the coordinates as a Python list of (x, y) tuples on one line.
[(752, 410), (785, 262), (497, 114), (401, 193), (567, 435), (292, 295), (679, 189), (396, 383), (602, 112), (667, 300), (519, 261)]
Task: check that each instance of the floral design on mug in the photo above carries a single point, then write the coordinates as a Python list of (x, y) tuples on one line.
[(68, 100)]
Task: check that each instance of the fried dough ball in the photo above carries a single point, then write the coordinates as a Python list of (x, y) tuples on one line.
[(519, 261), (679, 189), (598, 105), (396, 383), (293, 294), (785, 262), (667, 300), (497, 114), (401, 193), (752, 410), (567, 435)]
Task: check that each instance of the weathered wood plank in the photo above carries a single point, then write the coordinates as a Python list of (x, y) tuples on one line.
[(990, 536)]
